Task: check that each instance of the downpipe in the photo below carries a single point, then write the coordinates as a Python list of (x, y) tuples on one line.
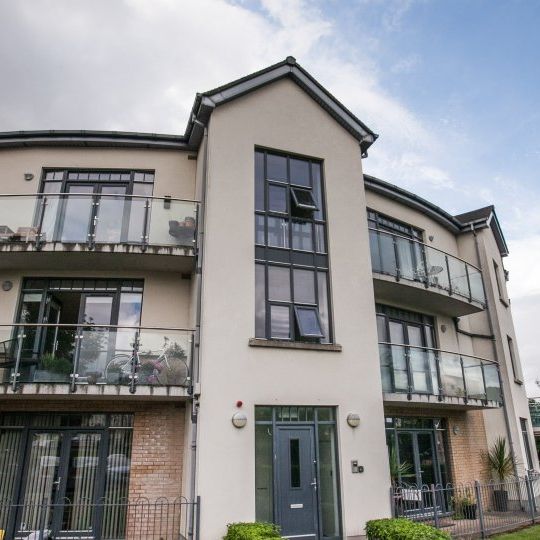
[(193, 531)]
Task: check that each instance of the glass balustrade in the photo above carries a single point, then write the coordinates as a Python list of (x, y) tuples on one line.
[(79, 355), (420, 370), (92, 219), (411, 260)]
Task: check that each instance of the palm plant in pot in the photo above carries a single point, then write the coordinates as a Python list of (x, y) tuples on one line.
[(500, 463)]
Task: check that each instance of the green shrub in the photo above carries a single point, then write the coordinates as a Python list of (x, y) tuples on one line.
[(402, 529), (251, 531)]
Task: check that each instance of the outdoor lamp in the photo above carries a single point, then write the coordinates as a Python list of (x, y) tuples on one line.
[(239, 420), (353, 420)]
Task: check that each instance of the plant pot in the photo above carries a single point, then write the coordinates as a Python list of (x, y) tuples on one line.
[(500, 500), (469, 511)]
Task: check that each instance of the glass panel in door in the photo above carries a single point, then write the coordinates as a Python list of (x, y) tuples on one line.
[(406, 458), (79, 495), (111, 215), (10, 450), (419, 360), (426, 458), (42, 484), (95, 342), (77, 214), (399, 361)]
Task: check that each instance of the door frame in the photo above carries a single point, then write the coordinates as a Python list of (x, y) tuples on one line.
[(274, 423)]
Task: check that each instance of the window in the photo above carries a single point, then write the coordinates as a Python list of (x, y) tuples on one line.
[(292, 297), (500, 288), (385, 223), (525, 434), (515, 368)]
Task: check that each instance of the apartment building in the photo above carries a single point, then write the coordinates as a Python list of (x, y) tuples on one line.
[(239, 321)]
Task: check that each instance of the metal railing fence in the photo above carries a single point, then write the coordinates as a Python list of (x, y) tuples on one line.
[(473, 510), (140, 519)]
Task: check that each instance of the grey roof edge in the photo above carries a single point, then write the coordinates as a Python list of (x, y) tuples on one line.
[(413, 201), (205, 102), (449, 221), (89, 138)]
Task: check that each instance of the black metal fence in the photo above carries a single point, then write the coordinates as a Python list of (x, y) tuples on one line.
[(139, 519), (474, 510)]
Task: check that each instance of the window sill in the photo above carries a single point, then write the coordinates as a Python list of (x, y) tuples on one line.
[(281, 344), (518, 381), (505, 303)]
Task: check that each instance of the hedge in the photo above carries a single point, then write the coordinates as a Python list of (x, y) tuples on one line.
[(402, 529), (251, 531)]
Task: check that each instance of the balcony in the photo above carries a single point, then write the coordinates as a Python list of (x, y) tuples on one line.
[(94, 360), (152, 232), (420, 275), (420, 376)]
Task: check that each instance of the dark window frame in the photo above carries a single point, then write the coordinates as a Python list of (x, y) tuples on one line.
[(526, 442), (382, 222), (287, 255), (518, 379), (500, 287)]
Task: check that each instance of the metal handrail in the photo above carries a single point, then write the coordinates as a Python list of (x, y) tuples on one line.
[(426, 245), (438, 351), (79, 325), (100, 195)]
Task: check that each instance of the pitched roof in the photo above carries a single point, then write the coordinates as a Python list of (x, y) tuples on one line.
[(475, 215), (201, 111), (288, 68)]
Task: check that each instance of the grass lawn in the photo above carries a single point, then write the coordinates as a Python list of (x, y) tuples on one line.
[(525, 534)]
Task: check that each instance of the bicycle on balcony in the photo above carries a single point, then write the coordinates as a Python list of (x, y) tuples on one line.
[(164, 367)]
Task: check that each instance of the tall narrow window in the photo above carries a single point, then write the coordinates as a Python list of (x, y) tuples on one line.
[(292, 285), (500, 288), (513, 361), (526, 443)]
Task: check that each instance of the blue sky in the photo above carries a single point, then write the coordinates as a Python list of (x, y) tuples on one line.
[(450, 86)]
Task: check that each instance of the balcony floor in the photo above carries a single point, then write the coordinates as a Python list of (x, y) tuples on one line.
[(59, 256), (425, 400), (30, 391), (430, 300)]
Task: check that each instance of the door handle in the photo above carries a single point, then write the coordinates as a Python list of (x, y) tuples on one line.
[(57, 481), (314, 483)]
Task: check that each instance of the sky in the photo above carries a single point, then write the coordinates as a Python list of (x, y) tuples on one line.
[(452, 88)]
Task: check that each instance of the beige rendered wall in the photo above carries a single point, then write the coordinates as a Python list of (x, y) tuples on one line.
[(503, 326), (281, 116), (174, 172)]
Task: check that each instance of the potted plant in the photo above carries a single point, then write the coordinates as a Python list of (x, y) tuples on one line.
[(465, 505), (53, 369), (500, 463)]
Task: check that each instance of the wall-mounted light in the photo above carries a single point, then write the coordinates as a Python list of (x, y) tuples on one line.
[(239, 420), (28, 176), (353, 420), (443, 328), (456, 430), (431, 238), (7, 285)]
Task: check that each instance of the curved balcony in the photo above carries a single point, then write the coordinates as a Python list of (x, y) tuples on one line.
[(423, 276), (84, 230), (94, 360), (417, 376)]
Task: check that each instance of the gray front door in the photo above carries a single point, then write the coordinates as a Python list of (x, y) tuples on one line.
[(296, 475)]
